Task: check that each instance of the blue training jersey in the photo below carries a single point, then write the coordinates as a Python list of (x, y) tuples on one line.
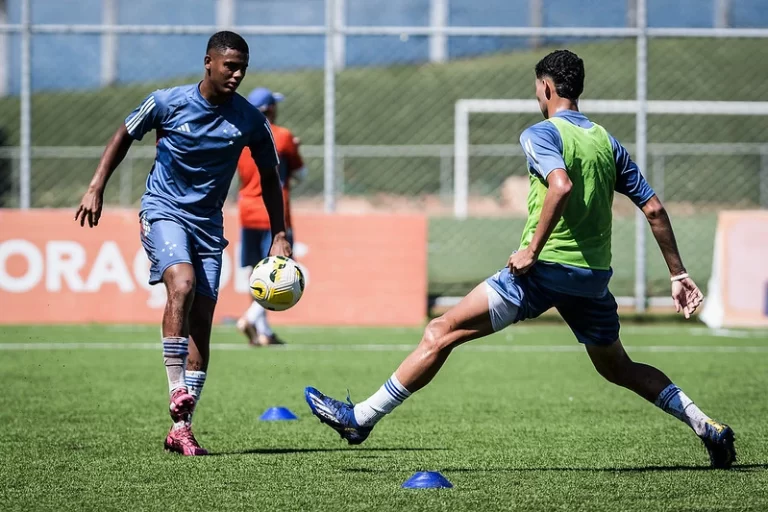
[(543, 148), (198, 146)]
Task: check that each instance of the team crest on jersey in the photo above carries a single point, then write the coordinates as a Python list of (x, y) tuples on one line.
[(232, 131)]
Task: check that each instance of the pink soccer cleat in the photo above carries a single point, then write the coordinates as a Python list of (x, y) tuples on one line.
[(182, 405), (182, 440)]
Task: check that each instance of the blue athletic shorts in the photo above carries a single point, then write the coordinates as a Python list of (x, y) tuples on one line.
[(255, 245), (512, 299), (169, 241)]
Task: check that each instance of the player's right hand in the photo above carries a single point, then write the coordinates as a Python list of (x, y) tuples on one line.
[(687, 296), (280, 246), (90, 208)]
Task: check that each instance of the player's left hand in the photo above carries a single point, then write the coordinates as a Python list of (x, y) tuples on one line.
[(521, 261), (687, 296), (280, 246)]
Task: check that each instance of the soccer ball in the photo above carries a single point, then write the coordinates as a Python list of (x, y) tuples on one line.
[(277, 283)]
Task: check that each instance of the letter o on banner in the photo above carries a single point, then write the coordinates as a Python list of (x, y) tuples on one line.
[(23, 283)]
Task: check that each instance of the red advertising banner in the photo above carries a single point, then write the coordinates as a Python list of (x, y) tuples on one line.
[(363, 270)]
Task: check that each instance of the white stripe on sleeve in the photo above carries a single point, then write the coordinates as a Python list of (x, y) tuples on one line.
[(274, 146), (143, 112)]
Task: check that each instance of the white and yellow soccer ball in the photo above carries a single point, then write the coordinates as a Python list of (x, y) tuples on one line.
[(277, 283)]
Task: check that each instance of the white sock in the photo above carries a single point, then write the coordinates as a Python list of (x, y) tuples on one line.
[(673, 401), (252, 313), (262, 326), (382, 402), (175, 359), (195, 381)]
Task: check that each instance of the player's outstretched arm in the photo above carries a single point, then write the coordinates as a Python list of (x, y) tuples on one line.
[(558, 190), (685, 293), (91, 204)]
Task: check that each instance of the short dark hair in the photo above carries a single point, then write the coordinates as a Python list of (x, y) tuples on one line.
[(566, 70), (226, 40)]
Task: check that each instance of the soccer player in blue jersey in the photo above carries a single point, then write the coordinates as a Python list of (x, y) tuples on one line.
[(564, 261), (201, 131)]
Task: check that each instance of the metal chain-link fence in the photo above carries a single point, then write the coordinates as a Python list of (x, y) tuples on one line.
[(395, 90)]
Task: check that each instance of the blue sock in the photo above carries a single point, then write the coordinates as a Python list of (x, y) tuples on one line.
[(195, 382)]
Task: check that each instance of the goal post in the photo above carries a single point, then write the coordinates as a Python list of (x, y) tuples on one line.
[(464, 108)]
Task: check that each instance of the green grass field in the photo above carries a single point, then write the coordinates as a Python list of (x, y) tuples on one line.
[(519, 421)]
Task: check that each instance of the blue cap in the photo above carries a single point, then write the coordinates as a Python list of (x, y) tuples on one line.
[(262, 97)]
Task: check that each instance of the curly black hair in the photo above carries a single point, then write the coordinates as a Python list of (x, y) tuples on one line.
[(566, 70), (226, 40)]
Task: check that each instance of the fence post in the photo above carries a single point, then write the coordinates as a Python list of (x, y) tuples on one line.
[(438, 43), (535, 20), (25, 164), (631, 13), (340, 38), (329, 180), (225, 14), (640, 150), (108, 43), (722, 10), (4, 57)]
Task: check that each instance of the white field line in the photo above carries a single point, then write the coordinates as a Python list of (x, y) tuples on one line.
[(631, 330), (575, 347)]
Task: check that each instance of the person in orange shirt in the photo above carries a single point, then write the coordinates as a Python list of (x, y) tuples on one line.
[(256, 234)]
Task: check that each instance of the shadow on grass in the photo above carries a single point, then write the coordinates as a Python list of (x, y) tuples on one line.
[(640, 469), (284, 451)]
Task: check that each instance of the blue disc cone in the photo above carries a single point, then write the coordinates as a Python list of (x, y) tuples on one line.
[(427, 480), (278, 414)]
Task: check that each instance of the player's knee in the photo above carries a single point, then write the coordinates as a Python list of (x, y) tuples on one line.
[(435, 337), (181, 288)]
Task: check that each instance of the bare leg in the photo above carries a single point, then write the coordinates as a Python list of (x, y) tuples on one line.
[(613, 363), (468, 320), (179, 282), (200, 323)]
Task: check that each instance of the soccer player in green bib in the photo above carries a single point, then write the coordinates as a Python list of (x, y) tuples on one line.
[(564, 261)]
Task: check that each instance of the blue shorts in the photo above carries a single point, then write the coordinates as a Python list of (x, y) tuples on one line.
[(594, 320), (169, 241), (255, 245)]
